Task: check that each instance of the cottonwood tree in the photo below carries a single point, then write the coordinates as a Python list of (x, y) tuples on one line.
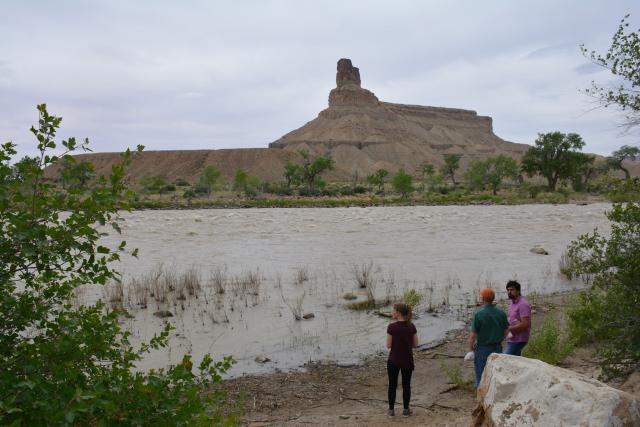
[(625, 152), (451, 165), (312, 169), (623, 60), (491, 172), (554, 157)]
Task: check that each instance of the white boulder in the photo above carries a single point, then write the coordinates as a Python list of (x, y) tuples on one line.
[(517, 391)]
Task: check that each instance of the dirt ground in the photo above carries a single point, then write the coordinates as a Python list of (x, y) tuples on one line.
[(329, 395)]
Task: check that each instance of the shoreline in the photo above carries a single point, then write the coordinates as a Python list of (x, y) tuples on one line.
[(362, 202), (326, 393)]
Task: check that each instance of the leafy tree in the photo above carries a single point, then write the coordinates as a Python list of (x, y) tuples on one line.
[(311, 170), (245, 183), (156, 184), (490, 172), (402, 183), (427, 172), (554, 156), (625, 152), (292, 174), (377, 179), (623, 60), (76, 174), (608, 311), (585, 171), (451, 165), (64, 365), (209, 178)]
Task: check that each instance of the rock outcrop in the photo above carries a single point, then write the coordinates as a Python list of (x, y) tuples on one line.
[(364, 134), (517, 391)]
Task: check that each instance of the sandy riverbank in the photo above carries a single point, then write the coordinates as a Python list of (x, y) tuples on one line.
[(327, 394)]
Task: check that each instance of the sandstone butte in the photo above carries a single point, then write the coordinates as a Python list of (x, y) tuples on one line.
[(361, 133)]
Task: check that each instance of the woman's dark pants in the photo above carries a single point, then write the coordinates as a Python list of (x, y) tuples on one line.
[(393, 372)]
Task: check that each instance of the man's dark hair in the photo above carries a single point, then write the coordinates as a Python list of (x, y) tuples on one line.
[(513, 284)]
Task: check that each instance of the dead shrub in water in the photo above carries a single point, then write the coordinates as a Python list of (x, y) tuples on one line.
[(301, 275), (364, 275), (137, 292), (218, 279), (247, 283), (114, 294), (296, 306), (190, 281)]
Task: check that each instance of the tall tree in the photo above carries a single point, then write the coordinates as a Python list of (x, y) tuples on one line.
[(451, 165), (554, 157), (623, 60), (625, 152), (292, 173), (491, 172), (312, 169)]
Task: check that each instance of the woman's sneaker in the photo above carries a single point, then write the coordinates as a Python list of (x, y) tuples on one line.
[(406, 412), (391, 413)]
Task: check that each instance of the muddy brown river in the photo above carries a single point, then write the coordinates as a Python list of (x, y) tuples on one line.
[(277, 262)]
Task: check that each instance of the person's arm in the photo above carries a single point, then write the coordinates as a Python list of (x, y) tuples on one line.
[(472, 340), (389, 338), (415, 340), (525, 322)]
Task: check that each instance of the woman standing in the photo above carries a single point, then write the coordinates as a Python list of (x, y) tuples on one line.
[(402, 337)]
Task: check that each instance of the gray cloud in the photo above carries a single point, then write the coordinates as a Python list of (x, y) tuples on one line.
[(203, 74)]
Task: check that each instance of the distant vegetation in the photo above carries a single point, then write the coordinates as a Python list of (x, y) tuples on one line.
[(556, 171)]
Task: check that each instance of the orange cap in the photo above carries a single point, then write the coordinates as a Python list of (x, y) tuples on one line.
[(487, 294)]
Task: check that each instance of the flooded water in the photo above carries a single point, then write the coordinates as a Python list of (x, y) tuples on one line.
[(304, 260)]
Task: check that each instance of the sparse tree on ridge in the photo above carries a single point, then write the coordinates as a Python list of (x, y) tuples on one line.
[(553, 157)]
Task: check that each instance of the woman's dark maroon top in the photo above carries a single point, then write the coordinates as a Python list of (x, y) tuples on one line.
[(401, 353)]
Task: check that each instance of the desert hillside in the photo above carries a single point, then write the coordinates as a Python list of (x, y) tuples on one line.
[(361, 133)]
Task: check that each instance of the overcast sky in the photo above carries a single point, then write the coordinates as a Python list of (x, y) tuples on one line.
[(214, 74)]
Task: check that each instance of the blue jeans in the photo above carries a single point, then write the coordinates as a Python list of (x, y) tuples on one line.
[(481, 354), (515, 348)]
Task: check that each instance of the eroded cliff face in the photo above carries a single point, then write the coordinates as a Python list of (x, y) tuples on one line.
[(363, 134), (360, 132)]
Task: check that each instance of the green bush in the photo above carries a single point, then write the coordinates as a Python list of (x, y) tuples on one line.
[(608, 312), (549, 344), (412, 297), (69, 366)]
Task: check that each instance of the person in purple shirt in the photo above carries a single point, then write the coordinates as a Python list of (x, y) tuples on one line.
[(519, 320), (402, 337)]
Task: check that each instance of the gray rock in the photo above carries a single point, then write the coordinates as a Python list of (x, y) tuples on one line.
[(308, 316), (538, 250), (163, 313)]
